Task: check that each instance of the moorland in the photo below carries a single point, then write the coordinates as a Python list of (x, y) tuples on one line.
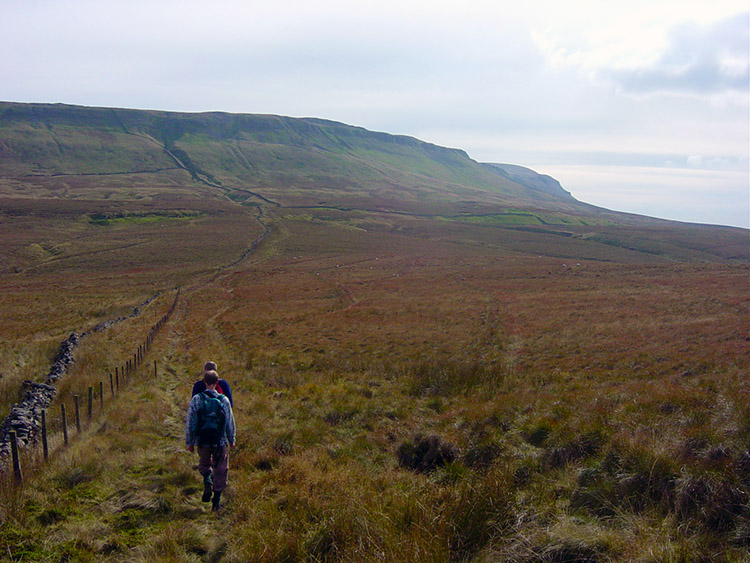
[(432, 359)]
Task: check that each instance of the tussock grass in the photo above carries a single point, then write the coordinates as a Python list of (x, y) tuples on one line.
[(594, 413)]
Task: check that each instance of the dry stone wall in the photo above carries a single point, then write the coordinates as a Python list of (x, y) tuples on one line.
[(25, 417)]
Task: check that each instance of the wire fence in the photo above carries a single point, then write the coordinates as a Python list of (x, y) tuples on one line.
[(64, 421)]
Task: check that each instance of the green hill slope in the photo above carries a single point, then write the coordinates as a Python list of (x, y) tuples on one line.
[(294, 161), (122, 155)]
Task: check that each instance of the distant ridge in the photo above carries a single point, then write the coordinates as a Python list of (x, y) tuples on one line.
[(530, 178), (280, 157), (127, 160), (61, 150)]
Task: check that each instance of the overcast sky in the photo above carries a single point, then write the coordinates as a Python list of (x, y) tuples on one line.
[(637, 105)]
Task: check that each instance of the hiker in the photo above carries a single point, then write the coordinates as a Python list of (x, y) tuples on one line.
[(210, 426), (222, 387)]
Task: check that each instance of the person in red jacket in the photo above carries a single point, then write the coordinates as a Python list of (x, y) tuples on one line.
[(222, 387)]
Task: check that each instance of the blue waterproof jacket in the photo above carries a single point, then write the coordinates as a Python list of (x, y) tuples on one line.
[(191, 439)]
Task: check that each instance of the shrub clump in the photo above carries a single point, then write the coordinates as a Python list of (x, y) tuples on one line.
[(596, 492), (537, 435), (581, 447), (481, 456), (714, 503), (476, 512), (284, 444), (425, 453)]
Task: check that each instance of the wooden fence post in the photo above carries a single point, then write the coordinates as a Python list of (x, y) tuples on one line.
[(91, 403), (45, 446), (64, 424), (117, 381), (155, 374), (112, 384), (16, 459), (78, 413)]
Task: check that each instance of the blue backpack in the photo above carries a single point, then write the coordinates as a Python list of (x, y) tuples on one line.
[(209, 424)]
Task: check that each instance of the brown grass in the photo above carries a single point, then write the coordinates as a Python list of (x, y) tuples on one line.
[(598, 410)]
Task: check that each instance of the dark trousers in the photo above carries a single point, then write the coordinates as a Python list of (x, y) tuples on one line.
[(214, 459)]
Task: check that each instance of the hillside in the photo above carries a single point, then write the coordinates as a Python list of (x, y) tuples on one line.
[(290, 161), (306, 157), (530, 179), (432, 359), (56, 150)]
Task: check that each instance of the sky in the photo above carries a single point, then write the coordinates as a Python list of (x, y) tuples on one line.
[(640, 105)]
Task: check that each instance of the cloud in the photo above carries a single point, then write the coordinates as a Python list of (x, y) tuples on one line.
[(698, 60), (660, 50)]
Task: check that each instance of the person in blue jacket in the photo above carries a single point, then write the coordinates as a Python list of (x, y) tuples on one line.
[(212, 436), (222, 387)]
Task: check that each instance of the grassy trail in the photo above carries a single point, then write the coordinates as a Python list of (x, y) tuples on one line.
[(127, 489)]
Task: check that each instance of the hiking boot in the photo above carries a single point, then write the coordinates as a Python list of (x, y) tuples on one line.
[(215, 502), (208, 485)]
